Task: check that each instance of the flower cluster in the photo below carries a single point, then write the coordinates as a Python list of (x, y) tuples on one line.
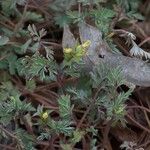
[(76, 53)]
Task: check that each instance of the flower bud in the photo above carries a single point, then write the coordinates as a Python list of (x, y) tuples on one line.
[(44, 115), (67, 50), (86, 44)]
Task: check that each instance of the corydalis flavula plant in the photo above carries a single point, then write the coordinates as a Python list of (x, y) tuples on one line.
[(98, 96), (104, 80), (76, 53), (56, 104)]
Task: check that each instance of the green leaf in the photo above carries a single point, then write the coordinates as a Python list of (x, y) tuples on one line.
[(25, 46), (113, 46), (61, 127), (102, 18), (21, 2), (36, 66), (33, 16), (93, 144), (61, 6), (12, 59), (66, 146), (135, 15), (8, 6), (25, 140), (64, 107), (17, 105), (3, 40), (35, 47), (5, 117), (7, 90), (115, 77), (77, 136), (89, 2), (31, 84), (43, 136), (62, 20)]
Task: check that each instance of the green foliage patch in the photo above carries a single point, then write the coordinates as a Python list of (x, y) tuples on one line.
[(47, 96)]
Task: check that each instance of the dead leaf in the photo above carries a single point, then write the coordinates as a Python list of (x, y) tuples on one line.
[(138, 52), (68, 40)]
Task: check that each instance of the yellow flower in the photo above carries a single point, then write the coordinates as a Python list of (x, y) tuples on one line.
[(120, 110), (67, 50), (80, 51), (86, 44), (44, 115)]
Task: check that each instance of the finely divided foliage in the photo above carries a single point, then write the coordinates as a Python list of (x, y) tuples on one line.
[(49, 98)]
